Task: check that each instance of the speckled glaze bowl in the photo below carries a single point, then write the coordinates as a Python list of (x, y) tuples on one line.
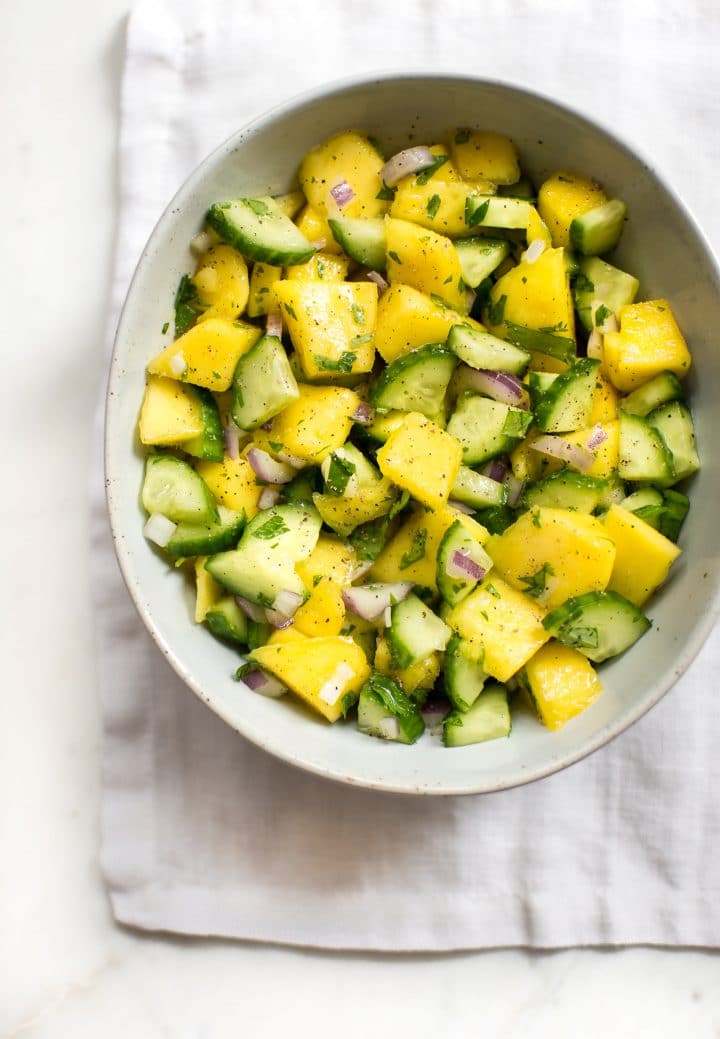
[(661, 244)]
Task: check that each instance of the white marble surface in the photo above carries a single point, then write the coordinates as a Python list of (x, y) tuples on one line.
[(65, 969)]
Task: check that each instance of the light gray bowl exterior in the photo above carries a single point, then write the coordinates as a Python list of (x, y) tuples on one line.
[(662, 245)]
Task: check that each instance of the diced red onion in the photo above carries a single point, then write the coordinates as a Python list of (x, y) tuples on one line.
[(251, 610), (377, 277), (274, 324), (597, 437), (232, 441), (595, 345), (287, 603), (371, 600), (277, 620), (201, 243), (500, 386), (267, 685), (556, 447), (268, 498), (267, 468), (390, 728), (460, 565), (460, 506), (178, 364), (433, 712), (333, 689), (514, 489), (495, 470), (534, 250), (293, 460), (410, 160), (159, 529), (342, 193), (364, 414)]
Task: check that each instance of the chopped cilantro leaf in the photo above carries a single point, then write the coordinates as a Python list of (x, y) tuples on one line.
[(475, 210), (358, 314), (537, 583), (165, 327), (258, 207), (344, 362), (394, 256), (496, 311), (361, 340), (339, 472), (290, 310), (433, 206), (430, 171), (274, 526), (462, 137), (416, 550), (602, 314), (386, 194)]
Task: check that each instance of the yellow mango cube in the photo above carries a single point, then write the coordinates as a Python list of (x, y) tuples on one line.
[(545, 363), (554, 554), (564, 196), (317, 423), (480, 155), (281, 636), (649, 342), (407, 319), (207, 590), (418, 676), (605, 402), (321, 671), (331, 325), (504, 622), (322, 266), (171, 413), (323, 613), (643, 556), (222, 283), (262, 299), (343, 513), (350, 157), (316, 229), (535, 296), (422, 458), (438, 204), (425, 260), (331, 558), (291, 203), (607, 454), (561, 683), (537, 229), (233, 484), (210, 351), (423, 527)]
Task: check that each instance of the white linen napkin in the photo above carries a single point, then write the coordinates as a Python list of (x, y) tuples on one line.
[(205, 834)]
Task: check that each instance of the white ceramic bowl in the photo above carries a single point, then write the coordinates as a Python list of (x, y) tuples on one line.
[(661, 244)]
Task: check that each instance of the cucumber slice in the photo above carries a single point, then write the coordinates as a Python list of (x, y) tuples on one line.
[(302, 487), (599, 284), (464, 675), (644, 455), (645, 498), (675, 424), (415, 632), (567, 403), (486, 428), (491, 211), (263, 384), (477, 490), (664, 510), (483, 350), (383, 425), (561, 347), (209, 444), (227, 621), (173, 488), (363, 240), (565, 490), (386, 712), (454, 584), (346, 470), (598, 231), (664, 388), (538, 384), (522, 188), (479, 257), (193, 539), (416, 381), (599, 624), (496, 519), (487, 719), (259, 229)]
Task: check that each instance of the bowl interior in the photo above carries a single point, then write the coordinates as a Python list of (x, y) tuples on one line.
[(660, 245)]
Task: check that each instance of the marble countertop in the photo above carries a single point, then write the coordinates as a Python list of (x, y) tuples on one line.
[(65, 969)]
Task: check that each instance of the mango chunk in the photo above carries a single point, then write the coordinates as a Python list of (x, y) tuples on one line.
[(171, 413), (503, 621), (643, 556), (481, 155), (222, 283), (438, 204), (605, 402), (316, 424), (209, 351), (411, 554), (322, 266), (344, 513), (233, 484), (427, 261), (281, 636), (316, 229), (564, 196), (323, 613), (407, 319), (331, 558), (321, 671), (207, 590), (607, 454), (262, 299), (422, 458), (349, 157), (649, 342), (554, 554), (561, 683), (331, 325), (416, 678)]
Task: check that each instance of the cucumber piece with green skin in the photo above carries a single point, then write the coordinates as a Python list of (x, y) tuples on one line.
[(522, 188), (346, 470), (263, 564), (486, 428), (492, 211), (613, 492), (302, 487), (226, 621), (663, 510), (173, 488), (674, 423), (572, 264), (259, 229), (417, 381), (662, 389), (453, 584), (538, 384), (488, 719), (675, 508), (599, 284), (479, 257), (415, 632), (497, 519), (598, 624), (565, 490), (644, 455), (561, 347), (485, 351), (257, 634), (479, 491), (210, 444), (385, 711), (567, 403), (464, 675), (200, 539), (598, 231), (362, 240), (383, 425), (263, 384)]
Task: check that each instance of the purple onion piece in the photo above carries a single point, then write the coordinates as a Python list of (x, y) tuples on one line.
[(460, 506), (342, 193), (461, 565), (232, 441), (268, 498), (410, 160), (260, 682), (274, 324), (597, 437), (495, 470), (251, 610), (556, 447), (500, 386), (515, 488), (381, 283), (278, 620), (370, 601), (268, 468), (364, 413)]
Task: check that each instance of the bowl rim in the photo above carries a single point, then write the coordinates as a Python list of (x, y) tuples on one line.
[(265, 739)]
